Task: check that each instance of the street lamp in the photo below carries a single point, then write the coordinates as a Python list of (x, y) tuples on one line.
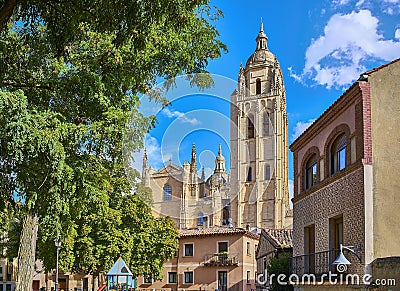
[(57, 242), (341, 262)]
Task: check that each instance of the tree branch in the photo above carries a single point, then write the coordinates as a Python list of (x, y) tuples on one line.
[(6, 12)]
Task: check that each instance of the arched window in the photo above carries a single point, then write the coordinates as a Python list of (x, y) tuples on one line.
[(249, 175), (167, 192), (267, 172), (338, 154), (265, 124), (311, 172), (200, 218), (250, 127), (258, 86)]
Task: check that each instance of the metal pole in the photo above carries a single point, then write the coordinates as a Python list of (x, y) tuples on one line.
[(56, 289)]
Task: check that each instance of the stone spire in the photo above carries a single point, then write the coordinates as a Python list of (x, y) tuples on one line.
[(262, 38), (145, 169), (203, 175), (219, 162), (193, 166)]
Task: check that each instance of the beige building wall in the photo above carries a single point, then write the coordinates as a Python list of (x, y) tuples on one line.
[(385, 114), (241, 248)]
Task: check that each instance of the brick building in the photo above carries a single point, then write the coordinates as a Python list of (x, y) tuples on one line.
[(346, 184), (214, 258)]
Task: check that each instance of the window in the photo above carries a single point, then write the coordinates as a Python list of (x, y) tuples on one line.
[(258, 86), (223, 280), (188, 250), (147, 280), (249, 175), (248, 248), (1, 274), (309, 249), (188, 277), (266, 124), (248, 277), (200, 218), (250, 127), (172, 277), (338, 154), (222, 247), (335, 234), (225, 215), (8, 287), (267, 172), (311, 172), (167, 192)]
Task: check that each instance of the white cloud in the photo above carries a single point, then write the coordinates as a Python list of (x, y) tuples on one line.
[(300, 127), (341, 2), (337, 57), (180, 115), (397, 33)]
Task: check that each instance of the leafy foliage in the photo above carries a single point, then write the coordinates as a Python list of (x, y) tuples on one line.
[(280, 265), (70, 76)]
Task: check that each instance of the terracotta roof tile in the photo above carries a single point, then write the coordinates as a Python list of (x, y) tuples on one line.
[(216, 230), (282, 237)]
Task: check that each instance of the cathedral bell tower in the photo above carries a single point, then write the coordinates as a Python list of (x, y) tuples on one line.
[(259, 142)]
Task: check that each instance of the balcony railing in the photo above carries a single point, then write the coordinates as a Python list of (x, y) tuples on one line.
[(221, 260), (320, 263), (316, 263)]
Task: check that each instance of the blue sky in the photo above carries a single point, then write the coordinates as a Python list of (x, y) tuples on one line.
[(322, 47)]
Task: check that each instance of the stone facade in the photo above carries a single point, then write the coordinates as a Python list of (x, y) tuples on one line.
[(345, 181), (255, 193), (189, 200), (259, 171)]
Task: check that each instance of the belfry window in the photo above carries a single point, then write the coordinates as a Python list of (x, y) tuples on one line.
[(311, 172), (250, 127), (258, 86), (167, 192), (267, 172), (338, 154), (249, 175)]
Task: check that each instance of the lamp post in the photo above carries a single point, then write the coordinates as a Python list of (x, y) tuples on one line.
[(57, 242)]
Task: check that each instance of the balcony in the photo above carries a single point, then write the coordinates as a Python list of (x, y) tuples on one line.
[(222, 259), (320, 263), (316, 263)]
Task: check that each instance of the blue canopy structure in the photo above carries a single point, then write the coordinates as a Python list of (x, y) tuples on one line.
[(120, 277)]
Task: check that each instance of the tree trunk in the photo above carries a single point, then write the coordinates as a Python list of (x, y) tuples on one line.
[(26, 253)]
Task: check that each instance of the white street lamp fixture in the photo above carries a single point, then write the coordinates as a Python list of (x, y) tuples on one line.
[(341, 259)]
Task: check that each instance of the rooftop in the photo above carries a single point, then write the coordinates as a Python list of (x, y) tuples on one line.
[(217, 230), (281, 238)]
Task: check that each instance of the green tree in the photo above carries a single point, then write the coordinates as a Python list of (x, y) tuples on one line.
[(280, 265), (71, 72)]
